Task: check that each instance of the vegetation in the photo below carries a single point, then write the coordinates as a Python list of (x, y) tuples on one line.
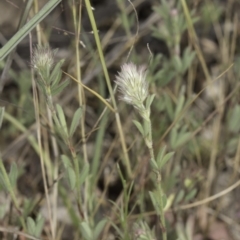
[(122, 138)]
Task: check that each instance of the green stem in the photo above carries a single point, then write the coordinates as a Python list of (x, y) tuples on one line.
[(74, 156), (159, 187), (10, 190), (110, 89), (77, 172), (162, 218), (77, 25)]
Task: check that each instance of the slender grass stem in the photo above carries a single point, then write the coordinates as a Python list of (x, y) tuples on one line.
[(118, 120), (159, 187), (77, 26), (12, 194)]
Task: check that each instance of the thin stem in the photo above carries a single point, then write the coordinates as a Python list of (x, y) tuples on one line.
[(77, 25), (55, 173), (72, 150), (118, 121), (10, 190), (159, 187), (162, 218), (41, 152), (77, 172)]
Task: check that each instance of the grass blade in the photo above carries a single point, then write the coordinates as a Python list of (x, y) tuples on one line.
[(13, 42)]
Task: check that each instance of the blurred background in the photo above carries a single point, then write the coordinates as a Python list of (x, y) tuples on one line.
[(194, 74)]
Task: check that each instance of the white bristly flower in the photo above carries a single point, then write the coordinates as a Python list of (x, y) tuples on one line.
[(42, 56), (43, 61), (133, 87)]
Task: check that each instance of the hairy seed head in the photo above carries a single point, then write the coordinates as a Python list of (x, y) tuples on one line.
[(42, 59), (132, 84)]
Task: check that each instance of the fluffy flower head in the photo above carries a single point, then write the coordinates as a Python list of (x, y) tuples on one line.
[(133, 86), (42, 56), (42, 59)]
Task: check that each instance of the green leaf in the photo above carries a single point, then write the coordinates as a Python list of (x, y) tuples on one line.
[(161, 154), (2, 182), (118, 230), (232, 145), (180, 104), (164, 200), (62, 119), (169, 106), (173, 137), (13, 42), (59, 88), (146, 128), (153, 164), (139, 127), (66, 161), (188, 57), (4, 209), (182, 139), (56, 73), (28, 206), (149, 100), (86, 231), (234, 119), (84, 173), (180, 196), (13, 174), (2, 109), (76, 118), (31, 226), (98, 229), (191, 195), (154, 201), (39, 225), (177, 63), (71, 178), (165, 159), (165, 75)]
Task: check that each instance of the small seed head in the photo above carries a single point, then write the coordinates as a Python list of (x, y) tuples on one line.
[(42, 59), (133, 86)]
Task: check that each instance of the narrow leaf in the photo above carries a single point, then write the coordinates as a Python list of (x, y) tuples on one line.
[(99, 229), (66, 161), (179, 106), (84, 173), (160, 155), (59, 88), (13, 42), (39, 225), (71, 178), (31, 226), (173, 137), (177, 63), (86, 231), (154, 201), (118, 230), (3, 184), (56, 73), (191, 195), (165, 159), (13, 174), (149, 100), (183, 139), (180, 196), (139, 127), (153, 164), (1, 115), (76, 118), (62, 119), (164, 200)]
